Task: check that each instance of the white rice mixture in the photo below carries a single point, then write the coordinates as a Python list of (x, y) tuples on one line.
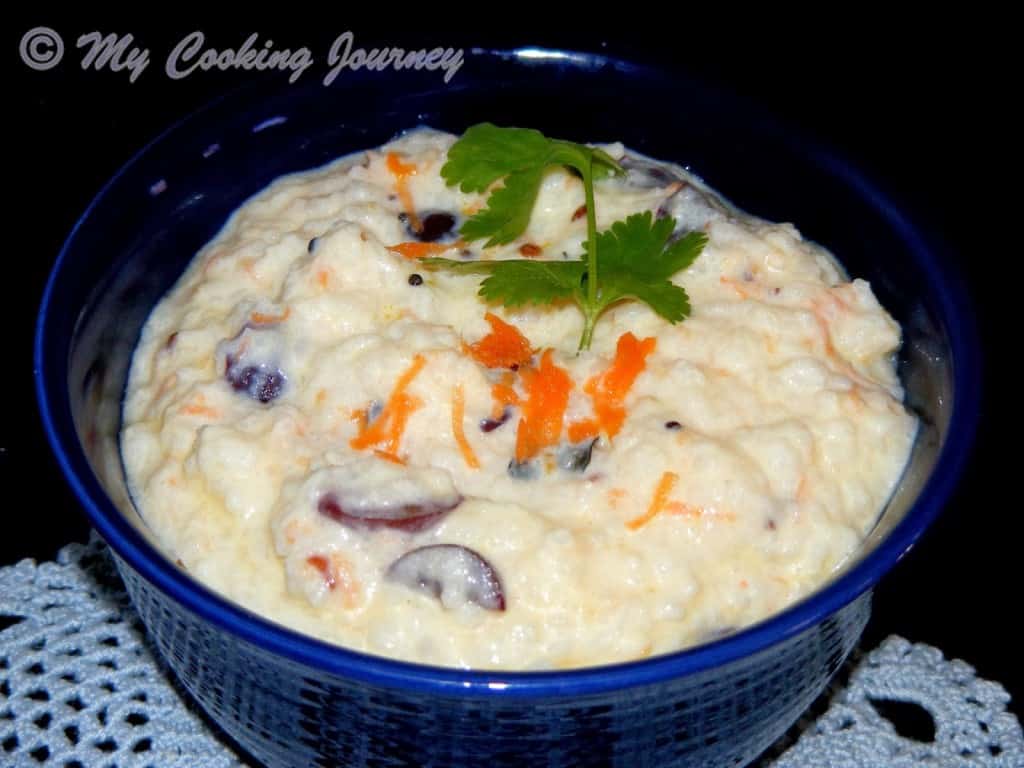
[(760, 441)]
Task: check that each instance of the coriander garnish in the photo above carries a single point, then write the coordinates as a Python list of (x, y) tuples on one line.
[(631, 260)]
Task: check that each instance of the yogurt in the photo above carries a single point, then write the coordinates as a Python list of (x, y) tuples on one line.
[(318, 428)]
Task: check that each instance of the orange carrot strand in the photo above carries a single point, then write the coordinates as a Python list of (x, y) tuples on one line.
[(402, 171), (661, 494), (458, 412), (547, 389), (504, 347), (583, 430), (608, 390), (324, 567), (389, 426), (402, 408), (503, 395), (417, 250)]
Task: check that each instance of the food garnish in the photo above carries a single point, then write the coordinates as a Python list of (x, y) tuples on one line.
[(633, 259)]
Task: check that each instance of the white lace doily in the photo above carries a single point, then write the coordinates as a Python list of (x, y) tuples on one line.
[(80, 686)]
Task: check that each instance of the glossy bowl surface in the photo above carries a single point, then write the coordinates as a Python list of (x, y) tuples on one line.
[(291, 700)]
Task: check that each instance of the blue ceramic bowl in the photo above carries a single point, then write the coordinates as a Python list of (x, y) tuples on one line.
[(291, 700)]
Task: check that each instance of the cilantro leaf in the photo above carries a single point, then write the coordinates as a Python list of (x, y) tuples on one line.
[(515, 282), (663, 296), (635, 261), (638, 243), (577, 156), (508, 209), (632, 260), (486, 153)]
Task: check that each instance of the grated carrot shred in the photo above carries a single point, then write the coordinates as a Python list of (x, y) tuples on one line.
[(402, 171), (198, 407), (417, 250), (458, 413), (547, 396), (410, 373), (388, 427), (324, 567), (583, 430), (259, 318), (201, 410), (608, 389), (389, 457), (801, 489), (504, 347), (503, 395), (398, 168), (337, 572), (403, 408), (736, 286), (823, 326), (665, 485), (682, 508)]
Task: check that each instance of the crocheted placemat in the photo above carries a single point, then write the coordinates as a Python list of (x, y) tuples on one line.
[(81, 687)]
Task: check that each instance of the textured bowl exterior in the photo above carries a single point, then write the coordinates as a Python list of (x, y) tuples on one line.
[(292, 700), (289, 714)]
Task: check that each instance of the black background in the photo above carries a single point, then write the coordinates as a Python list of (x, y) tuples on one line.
[(919, 105)]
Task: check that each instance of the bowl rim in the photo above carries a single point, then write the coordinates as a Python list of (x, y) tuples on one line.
[(145, 559)]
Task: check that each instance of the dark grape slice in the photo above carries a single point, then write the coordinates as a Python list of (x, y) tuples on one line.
[(452, 570), (489, 424), (434, 226), (411, 518), (261, 382), (644, 174), (250, 363), (522, 470), (575, 457)]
